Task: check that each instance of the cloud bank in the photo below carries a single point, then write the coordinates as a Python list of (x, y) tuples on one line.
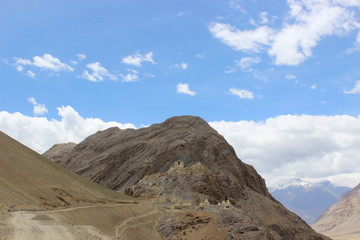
[(305, 146), (40, 133)]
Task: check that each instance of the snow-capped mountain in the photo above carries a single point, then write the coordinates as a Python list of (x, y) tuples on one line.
[(306, 199)]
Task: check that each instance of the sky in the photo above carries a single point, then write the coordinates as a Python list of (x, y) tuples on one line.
[(279, 79)]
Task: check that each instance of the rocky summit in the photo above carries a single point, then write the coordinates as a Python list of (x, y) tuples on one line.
[(185, 164)]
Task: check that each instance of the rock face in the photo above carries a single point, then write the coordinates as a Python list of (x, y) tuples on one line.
[(121, 158), (57, 151), (342, 220), (306, 199), (182, 162)]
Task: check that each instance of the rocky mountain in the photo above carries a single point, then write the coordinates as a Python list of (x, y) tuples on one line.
[(342, 220), (308, 200), (183, 163), (57, 151)]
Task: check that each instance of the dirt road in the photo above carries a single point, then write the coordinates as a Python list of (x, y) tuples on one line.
[(28, 228), (40, 225)]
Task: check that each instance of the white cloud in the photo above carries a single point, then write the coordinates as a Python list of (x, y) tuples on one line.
[(98, 73), (314, 20), (242, 93), (303, 146), (248, 40), (130, 77), (182, 65), (355, 89), (348, 3), (246, 62), (306, 24), (47, 62), (39, 109), (314, 86), (184, 89), (40, 133), (137, 59), (19, 68), (81, 56)]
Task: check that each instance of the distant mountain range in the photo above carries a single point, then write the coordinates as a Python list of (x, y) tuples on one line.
[(308, 200)]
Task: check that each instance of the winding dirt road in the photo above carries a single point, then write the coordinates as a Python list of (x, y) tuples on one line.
[(37, 225)]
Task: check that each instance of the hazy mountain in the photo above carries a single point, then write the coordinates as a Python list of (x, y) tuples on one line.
[(342, 220), (308, 200), (185, 163)]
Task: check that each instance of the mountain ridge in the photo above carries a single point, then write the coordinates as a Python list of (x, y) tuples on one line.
[(184, 162)]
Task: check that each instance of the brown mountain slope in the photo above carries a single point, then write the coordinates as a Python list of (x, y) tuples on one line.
[(57, 151), (148, 163), (28, 180), (59, 204), (342, 220)]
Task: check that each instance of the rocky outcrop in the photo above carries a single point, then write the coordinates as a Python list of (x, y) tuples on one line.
[(121, 158), (182, 162)]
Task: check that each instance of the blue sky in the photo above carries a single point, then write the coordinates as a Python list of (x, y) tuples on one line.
[(140, 62)]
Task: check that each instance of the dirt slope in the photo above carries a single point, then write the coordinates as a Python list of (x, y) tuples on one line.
[(42, 200), (342, 220)]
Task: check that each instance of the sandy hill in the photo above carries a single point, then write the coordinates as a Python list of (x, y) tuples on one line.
[(41, 200), (342, 220), (186, 164), (28, 180)]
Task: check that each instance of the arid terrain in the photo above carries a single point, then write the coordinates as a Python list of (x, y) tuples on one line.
[(184, 167), (41, 200), (342, 220)]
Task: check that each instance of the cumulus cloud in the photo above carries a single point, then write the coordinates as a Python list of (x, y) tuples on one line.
[(184, 89), (137, 59), (355, 89), (39, 109), (98, 73), (46, 62), (306, 24), (40, 133), (305, 146)]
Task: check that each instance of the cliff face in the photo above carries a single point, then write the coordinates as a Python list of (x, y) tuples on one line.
[(184, 161)]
